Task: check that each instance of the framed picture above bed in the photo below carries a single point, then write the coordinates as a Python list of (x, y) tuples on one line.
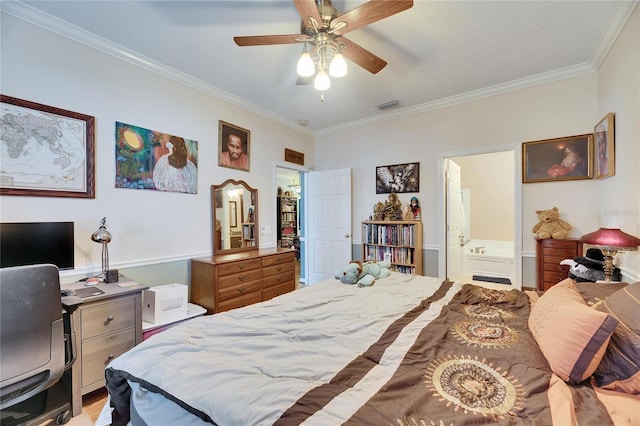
[(605, 147), (549, 160)]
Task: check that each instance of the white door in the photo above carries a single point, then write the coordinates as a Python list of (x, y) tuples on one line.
[(328, 239), (455, 220)]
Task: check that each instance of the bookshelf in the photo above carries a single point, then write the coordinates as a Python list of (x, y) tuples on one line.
[(249, 234), (287, 220), (400, 240)]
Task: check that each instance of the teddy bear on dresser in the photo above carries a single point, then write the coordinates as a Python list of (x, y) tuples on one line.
[(550, 225)]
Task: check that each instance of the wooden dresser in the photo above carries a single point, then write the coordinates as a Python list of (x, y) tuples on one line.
[(230, 281), (549, 254)]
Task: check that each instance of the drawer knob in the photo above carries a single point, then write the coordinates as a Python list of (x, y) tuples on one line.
[(242, 266), (279, 268), (110, 318), (241, 290), (111, 356), (241, 278)]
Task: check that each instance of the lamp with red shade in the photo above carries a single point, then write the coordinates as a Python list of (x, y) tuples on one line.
[(611, 241)]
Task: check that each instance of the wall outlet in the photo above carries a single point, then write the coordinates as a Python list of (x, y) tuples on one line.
[(265, 229)]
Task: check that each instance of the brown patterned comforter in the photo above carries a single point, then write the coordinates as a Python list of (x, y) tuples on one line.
[(470, 361)]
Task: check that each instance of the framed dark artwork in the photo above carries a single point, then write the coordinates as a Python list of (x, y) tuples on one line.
[(45, 151), (549, 160), (398, 178), (233, 146), (147, 159), (604, 139)]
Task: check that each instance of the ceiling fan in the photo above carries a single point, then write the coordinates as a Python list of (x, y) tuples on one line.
[(323, 30)]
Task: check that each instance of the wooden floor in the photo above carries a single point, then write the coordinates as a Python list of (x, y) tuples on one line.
[(93, 403)]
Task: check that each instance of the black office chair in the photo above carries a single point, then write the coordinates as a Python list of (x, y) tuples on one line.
[(33, 349)]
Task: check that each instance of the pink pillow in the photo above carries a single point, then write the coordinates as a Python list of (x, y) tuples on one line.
[(619, 370), (572, 336)]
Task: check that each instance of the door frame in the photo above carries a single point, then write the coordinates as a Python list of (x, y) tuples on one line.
[(442, 207), (274, 225)]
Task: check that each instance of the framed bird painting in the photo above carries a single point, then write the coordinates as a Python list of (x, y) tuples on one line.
[(398, 178)]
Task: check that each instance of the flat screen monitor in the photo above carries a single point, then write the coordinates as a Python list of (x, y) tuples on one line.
[(36, 242)]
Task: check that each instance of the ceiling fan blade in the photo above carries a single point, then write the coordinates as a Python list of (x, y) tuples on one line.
[(265, 40), (370, 12), (306, 9), (362, 56)]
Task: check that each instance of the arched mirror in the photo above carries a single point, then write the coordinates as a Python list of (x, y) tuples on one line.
[(234, 207)]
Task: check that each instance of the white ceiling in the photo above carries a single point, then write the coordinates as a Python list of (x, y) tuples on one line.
[(438, 52)]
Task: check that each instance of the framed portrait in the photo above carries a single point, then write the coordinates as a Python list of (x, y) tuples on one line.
[(46, 151), (604, 140), (549, 160), (398, 178), (233, 146)]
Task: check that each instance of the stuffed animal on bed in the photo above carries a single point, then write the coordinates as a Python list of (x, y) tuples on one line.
[(363, 275), (550, 225)]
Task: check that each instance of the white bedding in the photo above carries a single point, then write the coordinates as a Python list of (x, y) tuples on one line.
[(228, 375)]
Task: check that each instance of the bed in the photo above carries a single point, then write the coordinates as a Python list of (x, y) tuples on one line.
[(409, 350)]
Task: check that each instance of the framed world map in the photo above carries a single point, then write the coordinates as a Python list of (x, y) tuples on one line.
[(45, 151)]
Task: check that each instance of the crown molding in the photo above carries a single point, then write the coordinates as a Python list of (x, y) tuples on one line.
[(497, 89), (62, 28), (612, 31)]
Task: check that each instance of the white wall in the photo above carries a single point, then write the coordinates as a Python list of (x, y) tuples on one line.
[(147, 226), (489, 178), (563, 108)]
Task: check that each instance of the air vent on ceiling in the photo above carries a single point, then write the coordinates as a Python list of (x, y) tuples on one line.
[(388, 105)]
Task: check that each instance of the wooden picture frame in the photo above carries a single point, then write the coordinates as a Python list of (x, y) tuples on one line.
[(559, 159), (604, 147), (398, 178), (228, 155), (51, 150)]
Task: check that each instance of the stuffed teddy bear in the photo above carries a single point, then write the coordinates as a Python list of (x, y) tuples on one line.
[(363, 275), (550, 225)]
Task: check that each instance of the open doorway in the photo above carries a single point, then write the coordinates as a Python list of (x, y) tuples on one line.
[(482, 217), (290, 216)]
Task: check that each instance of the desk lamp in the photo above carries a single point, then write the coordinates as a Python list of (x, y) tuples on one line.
[(103, 237), (611, 241)]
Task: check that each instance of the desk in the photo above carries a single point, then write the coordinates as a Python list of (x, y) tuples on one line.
[(105, 325)]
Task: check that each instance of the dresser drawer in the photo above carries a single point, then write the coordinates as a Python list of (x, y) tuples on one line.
[(238, 279), (285, 278), (238, 302), (108, 317), (239, 289), (559, 244), (556, 267), (240, 266), (277, 290), (278, 258), (554, 277), (278, 269), (97, 353), (552, 254)]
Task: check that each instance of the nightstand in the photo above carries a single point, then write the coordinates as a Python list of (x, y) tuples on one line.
[(549, 254), (106, 325)]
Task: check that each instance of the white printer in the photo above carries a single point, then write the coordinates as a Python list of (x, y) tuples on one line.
[(164, 302)]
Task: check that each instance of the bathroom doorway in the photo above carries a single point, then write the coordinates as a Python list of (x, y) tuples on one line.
[(482, 216)]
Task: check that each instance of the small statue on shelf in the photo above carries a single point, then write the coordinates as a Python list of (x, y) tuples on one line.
[(415, 208), (250, 215)]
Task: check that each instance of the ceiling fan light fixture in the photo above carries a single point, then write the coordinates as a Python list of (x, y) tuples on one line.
[(322, 81), (305, 67), (338, 66)]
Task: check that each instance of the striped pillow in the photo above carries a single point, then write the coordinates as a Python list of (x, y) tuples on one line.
[(572, 336), (619, 370)]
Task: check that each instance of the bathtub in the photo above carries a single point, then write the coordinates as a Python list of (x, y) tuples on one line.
[(489, 258)]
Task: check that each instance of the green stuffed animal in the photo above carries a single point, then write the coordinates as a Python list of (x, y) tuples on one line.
[(363, 275)]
